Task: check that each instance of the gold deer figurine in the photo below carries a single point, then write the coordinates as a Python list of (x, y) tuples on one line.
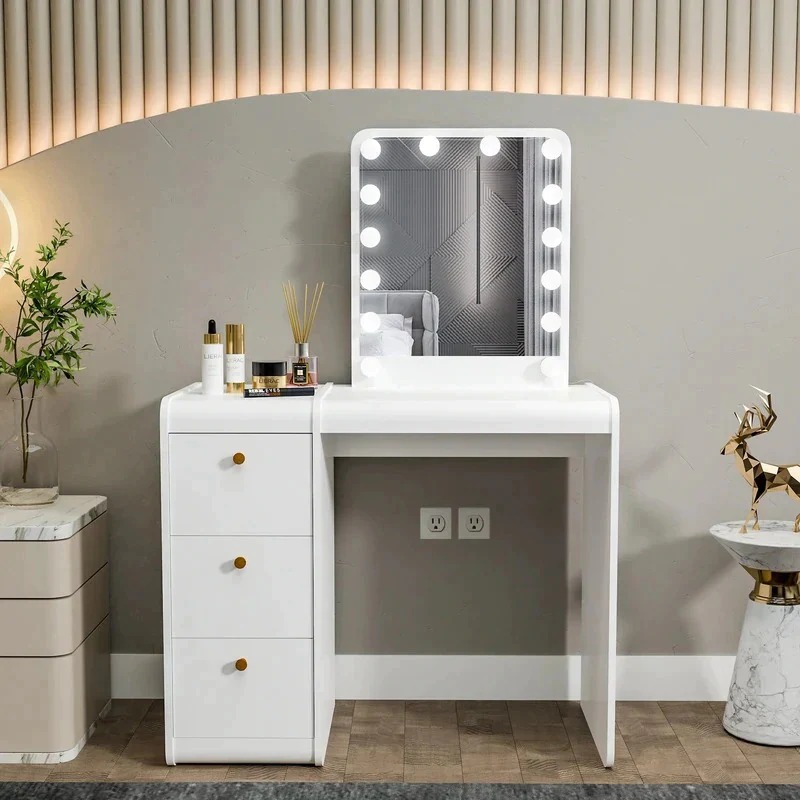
[(763, 477)]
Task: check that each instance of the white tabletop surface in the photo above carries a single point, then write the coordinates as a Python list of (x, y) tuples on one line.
[(59, 520), (773, 533)]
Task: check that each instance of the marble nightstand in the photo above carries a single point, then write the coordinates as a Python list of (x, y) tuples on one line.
[(55, 676), (764, 700)]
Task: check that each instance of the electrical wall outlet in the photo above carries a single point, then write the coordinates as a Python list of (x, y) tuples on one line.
[(473, 523), (435, 523)]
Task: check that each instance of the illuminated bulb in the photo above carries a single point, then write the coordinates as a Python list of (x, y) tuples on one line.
[(490, 145), (551, 279), (370, 366), (551, 149), (551, 321), (551, 237), (371, 236), (370, 322), (370, 194), (551, 194), (370, 280), (552, 367), (429, 145), (370, 149)]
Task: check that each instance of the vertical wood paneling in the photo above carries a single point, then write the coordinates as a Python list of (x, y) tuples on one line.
[(247, 69), (620, 60), (155, 58), (317, 49), (86, 49), (737, 65), (3, 120), (132, 59), (387, 44), (668, 38), (201, 52), (224, 43), (270, 46), (108, 66), (62, 46), (527, 46), (480, 45), (784, 57), (504, 46), (715, 21), (410, 44), (39, 85), (690, 86), (457, 45), (550, 46), (573, 72), (179, 87), (363, 44), (16, 39), (761, 31), (294, 46), (597, 24), (643, 84), (433, 44)]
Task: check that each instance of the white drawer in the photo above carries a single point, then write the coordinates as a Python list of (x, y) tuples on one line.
[(271, 596), (272, 698), (268, 494)]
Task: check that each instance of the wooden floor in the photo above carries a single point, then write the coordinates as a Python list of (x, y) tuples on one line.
[(448, 741)]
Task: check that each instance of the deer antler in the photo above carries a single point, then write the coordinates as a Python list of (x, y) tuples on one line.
[(766, 418)]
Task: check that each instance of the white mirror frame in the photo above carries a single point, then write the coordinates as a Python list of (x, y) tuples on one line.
[(464, 372)]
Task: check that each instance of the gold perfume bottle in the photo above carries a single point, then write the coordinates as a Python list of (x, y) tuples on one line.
[(234, 358)]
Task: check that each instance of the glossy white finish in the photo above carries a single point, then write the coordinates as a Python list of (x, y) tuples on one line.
[(764, 700), (270, 493), (272, 698), (456, 371), (270, 597), (59, 520), (576, 421)]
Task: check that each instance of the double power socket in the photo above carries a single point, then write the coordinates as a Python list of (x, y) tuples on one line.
[(436, 523)]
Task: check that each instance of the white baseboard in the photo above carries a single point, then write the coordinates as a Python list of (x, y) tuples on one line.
[(403, 677)]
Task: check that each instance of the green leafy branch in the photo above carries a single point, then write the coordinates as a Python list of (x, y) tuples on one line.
[(45, 346)]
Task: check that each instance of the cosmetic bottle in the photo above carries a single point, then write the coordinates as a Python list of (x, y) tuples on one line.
[(212, 373), (304, 366), (234, 359)]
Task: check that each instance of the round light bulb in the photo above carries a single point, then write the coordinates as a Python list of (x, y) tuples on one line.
[(429, 145), (370, 366), (551, 149), (370, 322), (490, 145), (370, 149), (552, 194), (370, 194), (552, 367), (551, 279), (370, 280), (371, 236), (551, 237), (551, 321)]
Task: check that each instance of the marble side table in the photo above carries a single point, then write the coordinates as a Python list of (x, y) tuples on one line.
[(55, 676), (764, 700)]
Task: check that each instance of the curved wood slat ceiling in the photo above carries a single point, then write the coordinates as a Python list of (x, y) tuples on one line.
[(72, 67)]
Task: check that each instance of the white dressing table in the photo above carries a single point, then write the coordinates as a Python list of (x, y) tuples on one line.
[(247, 485)]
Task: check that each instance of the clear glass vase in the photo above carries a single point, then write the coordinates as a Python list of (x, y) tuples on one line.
[(28, 459)]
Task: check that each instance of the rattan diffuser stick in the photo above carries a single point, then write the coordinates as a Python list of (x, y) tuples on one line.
[(302, 325)]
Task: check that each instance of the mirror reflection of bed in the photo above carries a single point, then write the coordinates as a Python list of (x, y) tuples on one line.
[(454, 246)]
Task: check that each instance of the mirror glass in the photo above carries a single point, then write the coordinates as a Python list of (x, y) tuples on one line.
[(461, 243)]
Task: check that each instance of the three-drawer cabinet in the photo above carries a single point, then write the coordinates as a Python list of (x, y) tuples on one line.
[(239, 633)]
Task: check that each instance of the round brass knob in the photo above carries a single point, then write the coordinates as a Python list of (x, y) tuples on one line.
[(240, 562), (241, 664), (238, 458)]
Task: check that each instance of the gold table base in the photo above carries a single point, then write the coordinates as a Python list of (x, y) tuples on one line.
[(775, 588)]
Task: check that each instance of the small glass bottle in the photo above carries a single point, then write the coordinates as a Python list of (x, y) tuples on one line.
[(304, 366)]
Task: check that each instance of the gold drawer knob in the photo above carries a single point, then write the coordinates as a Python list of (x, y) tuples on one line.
[(240, 562), (241, 664), (238, 458)]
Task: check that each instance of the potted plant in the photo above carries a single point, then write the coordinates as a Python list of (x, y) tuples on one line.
[(44, 348)]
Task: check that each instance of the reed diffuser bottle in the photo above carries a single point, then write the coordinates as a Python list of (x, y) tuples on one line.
[(304, 365)]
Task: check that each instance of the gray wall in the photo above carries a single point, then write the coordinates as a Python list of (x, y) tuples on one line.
[(684, 291)]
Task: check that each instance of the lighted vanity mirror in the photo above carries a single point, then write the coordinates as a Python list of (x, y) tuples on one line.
[(460, 245)]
